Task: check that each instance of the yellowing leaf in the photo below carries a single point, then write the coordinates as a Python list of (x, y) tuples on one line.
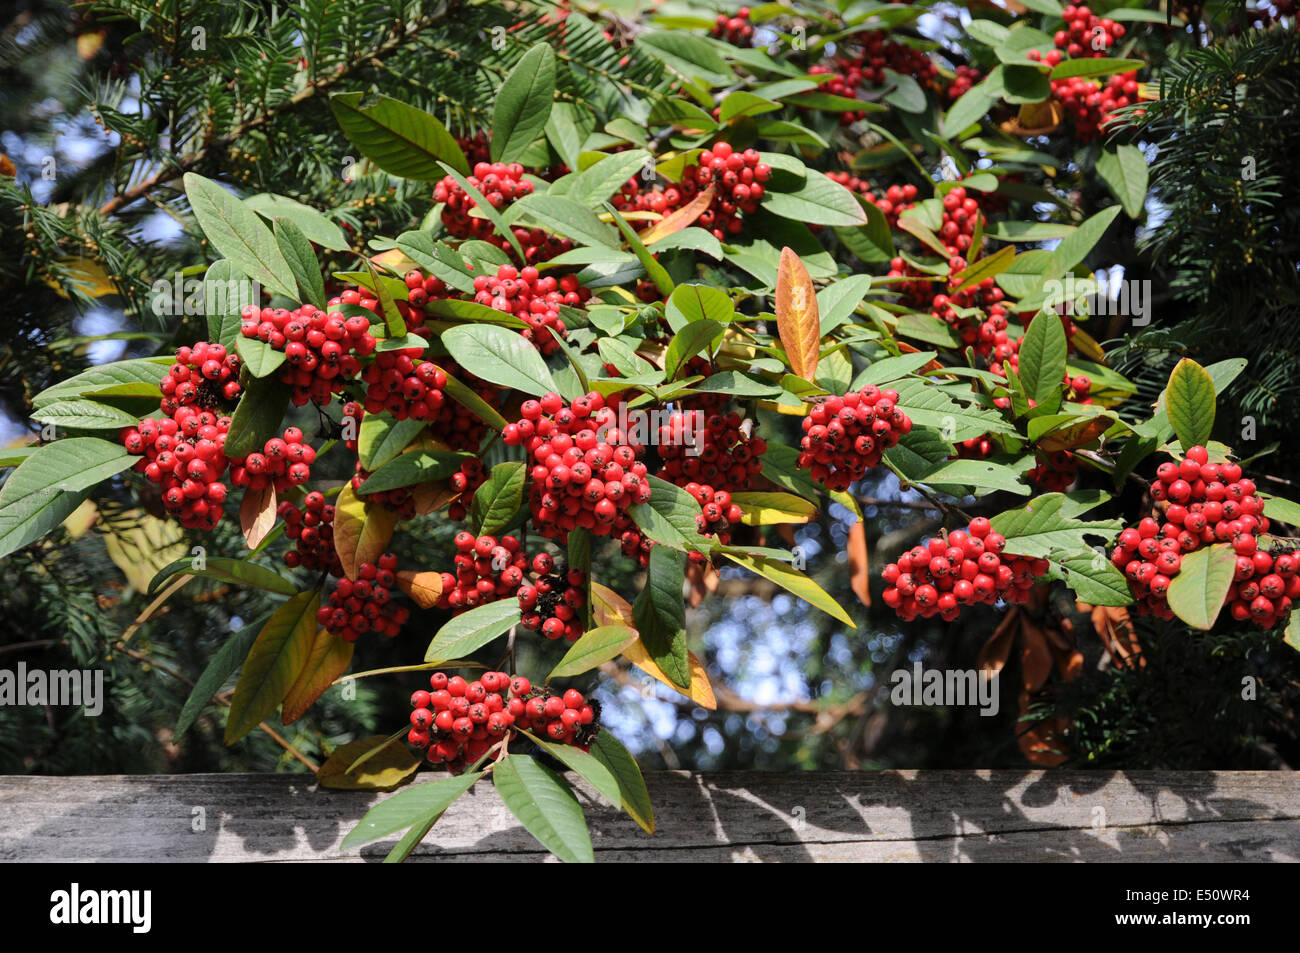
[(424, 588), (383, 771), (362, 530), (793, 581), (798, 319), (140, 545), (762, 509), (89, 275), (330, 657), (674, 222), (609, 608)]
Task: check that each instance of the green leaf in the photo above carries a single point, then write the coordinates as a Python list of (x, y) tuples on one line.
[(313, 224), (298, 252), (380, 438), (819, 201), (1041, 526), (417, 808), (587, 767), (689, 341), (84, 415), (257, 418), (399, 138), (610, 752), (228, 660), (523, 104), (1093, 66), (983, 474), (1093, 577), (1075, 247), (239, 234), (595, 184), (780, 466), (145, 372), (669, 517), (907, 93), (687, 54), (1190, 403), (499, 498), (697, 303), (470, 631), (654, 271), (969, 109), (1024, 84), (274, 664), (594, 647), (919, 453), (987, 32), (987, 267), (416, 466), (838, 300), (70, 464), (546, 807), (792, 580), (259, 357), (930, 406), (222, 286), (892, 368), (35, 515), (500, 357), (1278, 508), (564, 216), (238, 572), (660, 614), (468, 398), (1198, 591), (1043, 352), (1124, 171)]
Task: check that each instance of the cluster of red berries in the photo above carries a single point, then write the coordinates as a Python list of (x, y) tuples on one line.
[(845, 436), (365, 604), (736, 30), (961, 212), (184, 452), (500, 184), (420, 290), (585, 469), (487, 569), (312, 527), (1091, 104), (1264, 587), (965, 78), (877, 53), (715, 450), (552, 601), (283, 462), (736, 177), (465, 481), (534, 299), (1204, 503), (459, 721), (1086, 34), (320, 348), (967, 567), (838, 85), (717, 514), (404, 386), (892, 202), (1055, 472)]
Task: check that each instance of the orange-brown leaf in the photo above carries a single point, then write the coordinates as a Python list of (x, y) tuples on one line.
[(674, 222), (1035, 655), (424, 588), (859, 574), (362, 530), (994, 653), (798, 320), (330, 657), (257, 514), (431, 497), (700, 691)]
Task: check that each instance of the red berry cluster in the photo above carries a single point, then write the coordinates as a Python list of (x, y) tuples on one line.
[(965, 78), (713, 450), (968, 567), (717, 514), (364, 604), (892, 202), (737, 178), (534, 299), (838, 85), (877, 53), (1204, 503), (420, 290), (1091, 103), (918, 292), (283, 462), (1086, 34), (1054, 471), (551, 602), (844, 436), (404, 386), (184, 452), (459, 721), (585, 470), (465, 481), (500, 184), (312, 527), (318, 346), (736, 30), (486, 570)]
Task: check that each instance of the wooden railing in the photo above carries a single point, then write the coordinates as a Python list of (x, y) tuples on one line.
[(733, 816)]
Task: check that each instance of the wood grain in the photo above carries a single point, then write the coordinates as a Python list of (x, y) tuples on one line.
[(908, 816)]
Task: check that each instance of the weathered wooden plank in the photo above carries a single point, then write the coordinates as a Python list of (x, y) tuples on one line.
[(735, 816)]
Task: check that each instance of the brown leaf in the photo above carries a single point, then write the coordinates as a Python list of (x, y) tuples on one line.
[(1035, 655), (859, 574), (431, 497), (1115, 630), (674, 222), (330, 657), (7, 167), (798, 320), (1042, 742), (1069, 666), (695, 576), (424, 588), (993, 654), (257, 514)]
